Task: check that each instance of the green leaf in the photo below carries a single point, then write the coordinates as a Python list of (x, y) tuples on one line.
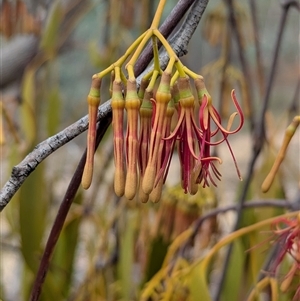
[(28, 118), (197, 285), (33, 209), (234, 274), (50, 36), (62, 264), (53, 111), (126, 257), (157, 255)]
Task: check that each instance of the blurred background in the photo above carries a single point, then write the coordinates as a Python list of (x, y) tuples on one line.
[(111, 247)]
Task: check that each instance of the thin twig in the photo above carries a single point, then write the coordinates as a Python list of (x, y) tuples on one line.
[(245, 67), (235, 207), (180, 40), (279, 203), (226, 49), (259, 63), (188, 28)]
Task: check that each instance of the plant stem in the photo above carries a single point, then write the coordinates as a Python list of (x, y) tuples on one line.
[(155, 53), (274, 288), (124, 57), (166, 28), (258, 288), (130, 64), (62, 214), (147, 36), (158, 14), (234, 235), (165, 43), (215, 212)]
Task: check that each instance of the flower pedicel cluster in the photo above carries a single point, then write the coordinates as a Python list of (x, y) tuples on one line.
[(143, 155)]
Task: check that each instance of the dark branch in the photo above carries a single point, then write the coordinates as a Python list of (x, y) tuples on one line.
[(62, 213)]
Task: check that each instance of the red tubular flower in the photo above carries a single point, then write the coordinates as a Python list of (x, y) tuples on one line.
[(118, 105), (132, 106), (146, 112), (208, 113), (165, 150), (188, 134), (162, 98), (152, 149), (93, 100)]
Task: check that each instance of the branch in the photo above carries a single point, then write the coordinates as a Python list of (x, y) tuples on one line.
[(62, 214), (277, 203), (235, 207), (21, 171)]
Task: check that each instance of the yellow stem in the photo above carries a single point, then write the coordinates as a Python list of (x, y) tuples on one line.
[(124, 57), (165, 43), (258, 288), (139, 49), (170, 66), (158, 14), (174, 78), (180, 69), (123, 78), (274, 289), (130, 70), (148, 76), (153, 80), (191, 73), (155, 53), (117, 74), (180, 239), (229, 238)]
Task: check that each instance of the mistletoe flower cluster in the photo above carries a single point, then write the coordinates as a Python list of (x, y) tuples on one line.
[(143, 151), (143, 148)]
